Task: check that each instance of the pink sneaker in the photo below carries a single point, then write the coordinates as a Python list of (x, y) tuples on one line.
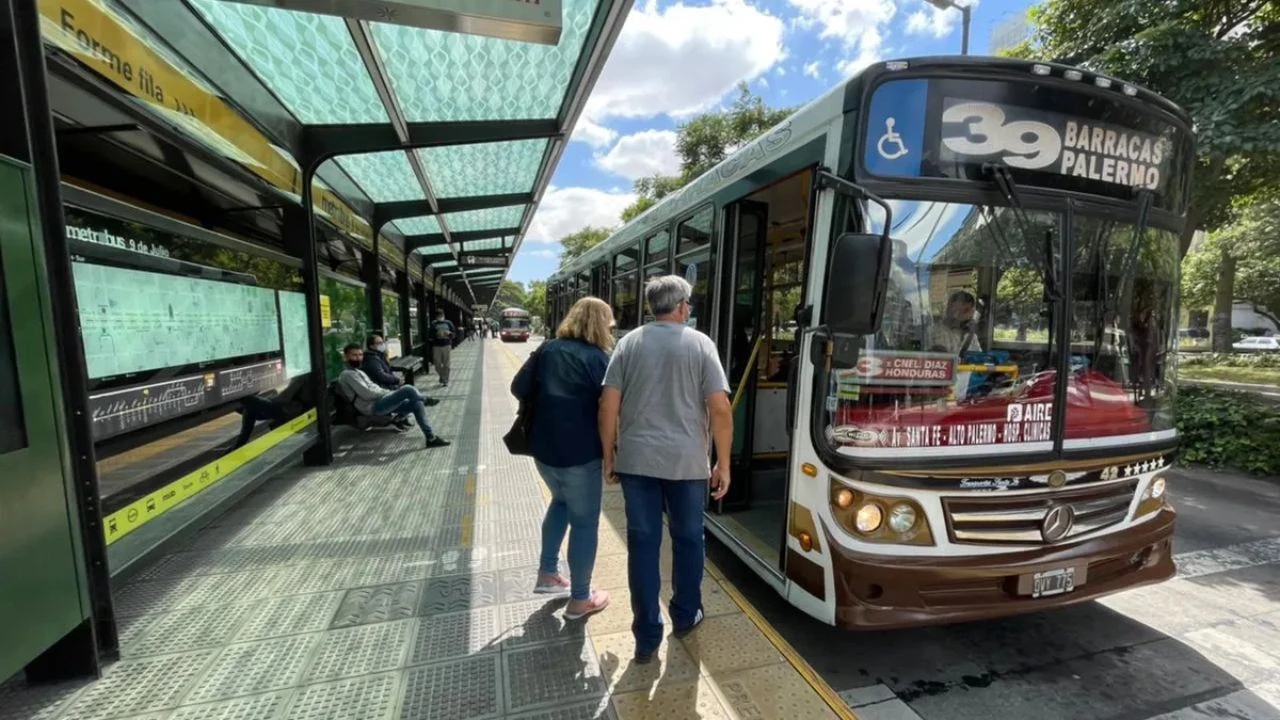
[(551, 585), (576, 609)]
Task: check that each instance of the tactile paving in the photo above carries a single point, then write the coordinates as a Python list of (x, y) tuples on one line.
[(458, 592), (289, 615), (617, 652), (467, 689), (360, 650), (540, 621), (254, 707), (537, 675), (590, 710), (450, 635), (133, 687), (380, 603), (462, 561), (367, 698), (774, 692), (184, 630), (247, 668), (672, 702), (19, 701)]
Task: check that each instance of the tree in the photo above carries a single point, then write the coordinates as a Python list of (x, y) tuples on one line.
[(1249, 251), (578, 243), (705, 141), (510, 294), (536, 298), (1216, 59)]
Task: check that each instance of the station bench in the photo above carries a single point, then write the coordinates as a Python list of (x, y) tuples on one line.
[(345, 412), (408, 364)]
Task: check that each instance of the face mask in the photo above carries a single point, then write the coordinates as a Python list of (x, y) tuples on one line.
[(354, 363), (379, 347)]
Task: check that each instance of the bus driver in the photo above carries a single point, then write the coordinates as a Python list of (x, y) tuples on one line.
[(953, 332)]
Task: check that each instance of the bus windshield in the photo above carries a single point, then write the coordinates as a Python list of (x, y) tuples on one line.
[(515, 323), (965, 360)]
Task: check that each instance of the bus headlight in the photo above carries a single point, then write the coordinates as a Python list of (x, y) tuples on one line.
[(878, 518), (902, 517), (869, 518)]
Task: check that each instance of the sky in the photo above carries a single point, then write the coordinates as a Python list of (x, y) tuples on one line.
[(676, 59)]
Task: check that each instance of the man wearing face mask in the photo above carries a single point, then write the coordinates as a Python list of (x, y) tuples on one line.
[(371, 399), (380, 371)]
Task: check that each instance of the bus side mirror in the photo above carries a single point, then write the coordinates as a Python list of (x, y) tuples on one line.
[(859, 271)]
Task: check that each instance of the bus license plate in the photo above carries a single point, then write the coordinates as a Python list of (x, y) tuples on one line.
[(1049, 582)]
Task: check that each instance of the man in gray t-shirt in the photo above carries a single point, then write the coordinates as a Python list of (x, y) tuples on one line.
[(664, 390)]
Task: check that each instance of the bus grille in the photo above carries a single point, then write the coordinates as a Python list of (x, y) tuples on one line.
[(1017, 519)]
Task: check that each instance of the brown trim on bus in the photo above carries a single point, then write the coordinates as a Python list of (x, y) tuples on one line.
[(879, 592), (806, 574)]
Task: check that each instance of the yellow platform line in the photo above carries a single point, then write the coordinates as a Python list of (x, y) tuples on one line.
[(784, 648)]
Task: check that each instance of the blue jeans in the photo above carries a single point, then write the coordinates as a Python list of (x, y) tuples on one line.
[(575, 506), (684, 501), (404, 401)]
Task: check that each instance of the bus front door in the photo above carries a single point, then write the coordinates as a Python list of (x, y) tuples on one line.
[(764, 268)]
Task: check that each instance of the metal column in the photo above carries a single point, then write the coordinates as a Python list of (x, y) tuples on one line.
[(299, 230), (30, 136)]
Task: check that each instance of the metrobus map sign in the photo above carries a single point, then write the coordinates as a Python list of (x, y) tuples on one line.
[(948, 129)]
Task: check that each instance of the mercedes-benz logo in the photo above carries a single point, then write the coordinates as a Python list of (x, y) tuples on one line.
[(1057, 523)]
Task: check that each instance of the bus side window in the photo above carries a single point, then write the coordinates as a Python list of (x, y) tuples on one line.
[(693, 263)]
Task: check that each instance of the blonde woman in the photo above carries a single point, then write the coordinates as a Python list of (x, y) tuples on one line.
[(566, 380)]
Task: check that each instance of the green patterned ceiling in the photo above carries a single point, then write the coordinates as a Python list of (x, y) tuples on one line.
[(484, 168), (421, 225), (442, 76), (322, 81), (488, 219), (384, 176), (491, 244), (444, 264)]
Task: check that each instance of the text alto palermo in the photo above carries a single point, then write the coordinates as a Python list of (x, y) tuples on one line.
[(1110, 156)]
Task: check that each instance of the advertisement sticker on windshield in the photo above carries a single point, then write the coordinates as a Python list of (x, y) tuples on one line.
[(901, 368)]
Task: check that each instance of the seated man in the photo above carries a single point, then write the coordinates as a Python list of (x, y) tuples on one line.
[(371, 399), (278, 407), (376, 367)]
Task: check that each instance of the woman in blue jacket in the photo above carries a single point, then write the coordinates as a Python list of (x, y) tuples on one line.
[(566, 447)]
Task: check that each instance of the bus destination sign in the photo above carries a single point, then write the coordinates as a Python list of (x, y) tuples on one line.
[(949, 129)]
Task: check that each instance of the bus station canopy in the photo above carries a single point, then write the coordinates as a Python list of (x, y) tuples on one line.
[(442, 141)]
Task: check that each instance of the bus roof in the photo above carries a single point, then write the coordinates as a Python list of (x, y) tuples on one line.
[(815, 117), (514, 311)]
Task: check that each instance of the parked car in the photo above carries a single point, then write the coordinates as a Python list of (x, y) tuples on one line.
[(1257, 344)]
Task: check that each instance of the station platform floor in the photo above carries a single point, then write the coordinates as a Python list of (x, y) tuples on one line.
[(397, 583)]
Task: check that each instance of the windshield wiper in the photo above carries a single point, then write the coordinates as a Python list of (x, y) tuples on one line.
[(1145, 200), (1008, 187)]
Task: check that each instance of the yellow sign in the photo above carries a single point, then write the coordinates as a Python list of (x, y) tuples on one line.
[(326, 320), (139, 512), (122, 52)]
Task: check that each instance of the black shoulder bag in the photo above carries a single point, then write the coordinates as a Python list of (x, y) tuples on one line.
[(519, 439)]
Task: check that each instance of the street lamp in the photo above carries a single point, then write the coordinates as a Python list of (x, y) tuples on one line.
[(964, 11)]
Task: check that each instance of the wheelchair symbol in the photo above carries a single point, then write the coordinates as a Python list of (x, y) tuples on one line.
[(890, 138)]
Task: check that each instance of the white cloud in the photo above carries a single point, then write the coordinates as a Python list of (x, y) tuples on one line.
[(681, 60), (592, 133), (811, 69), (547, 253), (642, 154), (932, 21), (564, 211), (780, 71), (857, 24)]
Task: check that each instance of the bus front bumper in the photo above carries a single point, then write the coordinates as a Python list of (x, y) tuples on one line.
[(875, 592)]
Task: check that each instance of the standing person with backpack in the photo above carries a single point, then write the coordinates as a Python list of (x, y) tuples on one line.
[(442, 336)]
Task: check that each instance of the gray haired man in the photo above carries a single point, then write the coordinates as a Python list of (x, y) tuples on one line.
[(664, 387)]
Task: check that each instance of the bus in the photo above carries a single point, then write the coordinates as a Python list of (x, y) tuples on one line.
[(945, 298), (515, 325)]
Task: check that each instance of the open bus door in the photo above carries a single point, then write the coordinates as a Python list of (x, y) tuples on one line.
[(766, 256)]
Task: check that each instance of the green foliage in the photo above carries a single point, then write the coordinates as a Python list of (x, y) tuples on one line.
[(536, 299), (1243, 360), (578, 243), (1253, 240), (1228, 429), (510, 294), (705, 141), (1218, 59)]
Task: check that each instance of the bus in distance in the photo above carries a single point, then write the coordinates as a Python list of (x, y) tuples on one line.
[(515, 325), (945, 297)]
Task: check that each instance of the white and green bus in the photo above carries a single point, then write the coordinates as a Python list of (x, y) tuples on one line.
[(945, 295)]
